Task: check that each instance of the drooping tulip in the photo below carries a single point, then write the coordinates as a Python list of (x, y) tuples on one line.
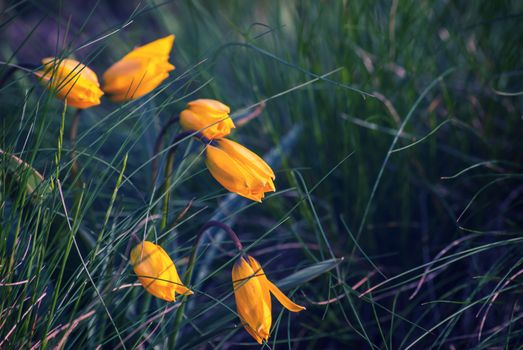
[(140, 71), (210, 117), (156, 271), (239, 170), (72, 81), (252, 291)]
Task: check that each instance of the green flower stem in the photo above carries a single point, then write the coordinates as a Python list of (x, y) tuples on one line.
[(73, 132), (169, 171), (158, 145)]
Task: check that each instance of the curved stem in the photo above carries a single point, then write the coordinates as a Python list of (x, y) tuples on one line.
[(226, 228), (158, 145), (190, 268), (213, 223)]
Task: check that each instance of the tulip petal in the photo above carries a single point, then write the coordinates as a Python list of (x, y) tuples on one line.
[(117, 76), (227, 171), (209, 106), (252, 332), (159, 48), (247, 157), (254, 312), (210, 117), (67, 66), (176, 282), (183, 290), (140, 71), (156, 271), (71, 81), (258, 271), (210, 128), (239, 170), (282, 298), (268, 285)]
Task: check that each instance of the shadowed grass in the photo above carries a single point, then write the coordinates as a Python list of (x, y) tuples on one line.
[(393, 129)]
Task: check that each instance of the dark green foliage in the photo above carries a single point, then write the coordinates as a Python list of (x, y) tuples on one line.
[(407, 164)]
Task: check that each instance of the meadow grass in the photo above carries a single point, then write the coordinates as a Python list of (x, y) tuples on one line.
[(393, 127)]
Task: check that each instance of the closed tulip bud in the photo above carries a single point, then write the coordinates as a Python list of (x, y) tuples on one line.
[(252, 291), (239, 170), (156, 271), (140, 71), (72, 81), (210, 117)]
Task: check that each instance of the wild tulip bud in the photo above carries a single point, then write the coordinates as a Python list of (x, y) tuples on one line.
[(72, 81), (210, 117), (140, 71), (252, 291), (156, 271), (239, 170)]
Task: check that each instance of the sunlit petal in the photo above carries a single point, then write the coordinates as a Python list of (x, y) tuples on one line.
[(210, 117), (140, 71), (71, 81), (156, 271)]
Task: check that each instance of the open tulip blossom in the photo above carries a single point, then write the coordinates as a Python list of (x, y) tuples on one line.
[(210, 117), (156, 271), (140, 71), (72, 81), (252, 291), (239, 170)]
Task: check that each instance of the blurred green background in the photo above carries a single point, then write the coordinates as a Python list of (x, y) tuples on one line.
[(394, 128)]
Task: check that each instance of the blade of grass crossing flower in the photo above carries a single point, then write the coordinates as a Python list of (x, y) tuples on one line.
[(233, 201)]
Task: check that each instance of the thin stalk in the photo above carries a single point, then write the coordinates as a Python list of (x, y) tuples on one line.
[(73, 231), (169, 171), (110, 208), (190, 268), (58, 155), (73, 132), (158, 145)]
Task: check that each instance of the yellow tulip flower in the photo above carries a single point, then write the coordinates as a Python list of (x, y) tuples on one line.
[(156, 271), (210, 117), (72, 81), (140, 71), (252, 291), (239, 170)]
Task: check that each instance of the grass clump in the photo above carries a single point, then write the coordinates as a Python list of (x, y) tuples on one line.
[(393, 130)]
